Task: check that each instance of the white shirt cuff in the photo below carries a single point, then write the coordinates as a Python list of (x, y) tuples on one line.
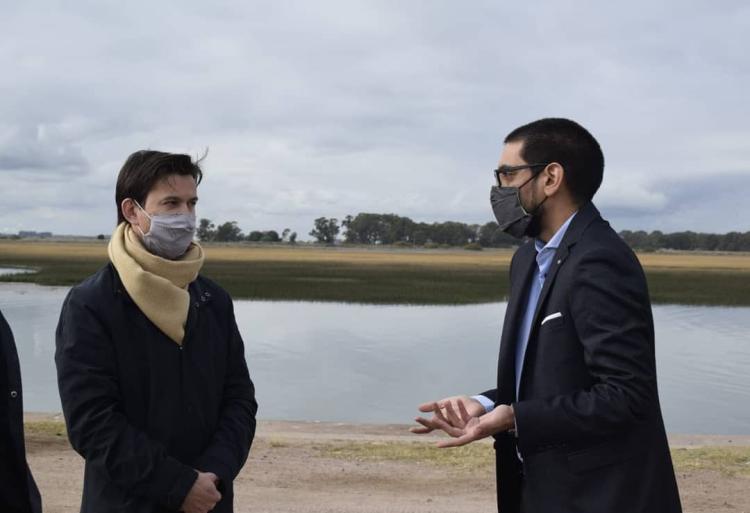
[(486, 402)]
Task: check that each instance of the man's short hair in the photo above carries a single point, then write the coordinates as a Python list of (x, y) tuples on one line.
[(144, 168), (567, 143)]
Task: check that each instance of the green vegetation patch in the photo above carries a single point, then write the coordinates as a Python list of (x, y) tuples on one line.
[(699, 287), (357, 283), (45, 428), (730, 461), (473, 456), (398, 283)]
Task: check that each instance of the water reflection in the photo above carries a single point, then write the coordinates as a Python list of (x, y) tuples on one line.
[(356, 363), (9, 271)]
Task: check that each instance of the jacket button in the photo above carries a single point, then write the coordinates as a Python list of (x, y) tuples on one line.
[(13, 394)]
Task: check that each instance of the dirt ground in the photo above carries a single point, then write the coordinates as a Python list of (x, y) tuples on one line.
[(291, 470)]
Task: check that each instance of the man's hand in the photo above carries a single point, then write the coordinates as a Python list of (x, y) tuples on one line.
[(465, 428), (203, 496), (441, 413)]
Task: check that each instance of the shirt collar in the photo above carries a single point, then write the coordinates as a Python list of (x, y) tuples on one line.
[(556, 239)]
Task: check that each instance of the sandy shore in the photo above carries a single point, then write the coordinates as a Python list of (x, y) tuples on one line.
[(310, 467)]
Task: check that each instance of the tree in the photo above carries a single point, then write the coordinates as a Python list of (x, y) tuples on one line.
[(206, 230), (228, 232), (486, 232), (270, 236), (285, 234), (293, 238), (255, 236), (326, 230)]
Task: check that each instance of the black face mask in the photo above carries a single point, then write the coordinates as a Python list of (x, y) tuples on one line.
[(510, 214)]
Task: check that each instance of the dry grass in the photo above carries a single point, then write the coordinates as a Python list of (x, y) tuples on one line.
[(371, 256), (37, 249), (696, 261)]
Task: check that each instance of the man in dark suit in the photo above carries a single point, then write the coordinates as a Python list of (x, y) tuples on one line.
[(575, 414), (18, 492)]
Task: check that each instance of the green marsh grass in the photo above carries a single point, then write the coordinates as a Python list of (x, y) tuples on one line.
[(384, 276)]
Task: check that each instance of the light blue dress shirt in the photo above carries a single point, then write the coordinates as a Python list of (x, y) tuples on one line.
[(544, 258)]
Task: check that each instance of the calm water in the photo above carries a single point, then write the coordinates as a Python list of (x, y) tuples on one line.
[(355, 363)]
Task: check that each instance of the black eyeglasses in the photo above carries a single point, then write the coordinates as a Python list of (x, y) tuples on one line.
[(508, 171)]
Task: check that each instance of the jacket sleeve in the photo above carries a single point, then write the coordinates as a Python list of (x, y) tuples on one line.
[(228, 450), (610, 308), (490, 394), (97, 428)]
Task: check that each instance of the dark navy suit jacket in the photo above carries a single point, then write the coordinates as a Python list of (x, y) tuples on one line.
[(589, 424)]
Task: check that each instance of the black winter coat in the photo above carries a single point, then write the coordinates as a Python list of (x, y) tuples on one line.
[(18, 492), (145, 412)]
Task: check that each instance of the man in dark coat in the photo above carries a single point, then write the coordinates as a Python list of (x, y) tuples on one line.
[(151, 366), (575, 413), (18, 491)]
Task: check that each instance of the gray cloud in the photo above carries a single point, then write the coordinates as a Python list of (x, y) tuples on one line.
[(338, 107)]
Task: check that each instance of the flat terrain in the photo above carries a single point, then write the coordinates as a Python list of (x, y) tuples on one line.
[(385, 275), (309, 467)]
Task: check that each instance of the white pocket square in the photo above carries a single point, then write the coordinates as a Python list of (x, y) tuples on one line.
[(551, 316)]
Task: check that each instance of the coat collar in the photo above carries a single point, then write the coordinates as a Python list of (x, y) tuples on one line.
[(586, 214)]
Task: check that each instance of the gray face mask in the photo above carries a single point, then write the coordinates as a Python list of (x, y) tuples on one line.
[(170, 235), (510, 214)]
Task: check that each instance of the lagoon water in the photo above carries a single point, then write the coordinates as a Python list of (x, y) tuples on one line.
[(364, 363)]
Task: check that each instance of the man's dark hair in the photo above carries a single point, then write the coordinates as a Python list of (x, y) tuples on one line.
[(146, 167), (567, 143)]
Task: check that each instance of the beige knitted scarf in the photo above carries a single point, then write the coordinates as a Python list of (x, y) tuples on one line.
[(157, 285)]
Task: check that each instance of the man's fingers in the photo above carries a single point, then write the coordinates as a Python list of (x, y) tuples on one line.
[(455, 442), (446, 426), (441, 424), (451, 414), (429, 407), (439, 415), (424, 428), (464, 413)]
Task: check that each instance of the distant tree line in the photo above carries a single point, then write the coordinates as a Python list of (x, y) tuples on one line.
[(367, 228), (229, 231), (732, 241)]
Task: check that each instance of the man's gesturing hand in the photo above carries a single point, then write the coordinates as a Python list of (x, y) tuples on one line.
[(440, 413), (465, 428), (203, 496)]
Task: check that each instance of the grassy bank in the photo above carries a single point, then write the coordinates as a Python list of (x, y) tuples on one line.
[(728, 460), (383, 275)]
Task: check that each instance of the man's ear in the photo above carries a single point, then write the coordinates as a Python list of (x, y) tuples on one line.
[(554, 175), (128, 208)]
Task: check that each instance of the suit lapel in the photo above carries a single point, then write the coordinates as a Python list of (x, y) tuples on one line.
[(586, 214), (513, 315), (560, 255)]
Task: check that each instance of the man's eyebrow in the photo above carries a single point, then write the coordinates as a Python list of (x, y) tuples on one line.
[(178, 198)]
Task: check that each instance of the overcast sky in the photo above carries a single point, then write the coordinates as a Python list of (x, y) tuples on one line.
[(332, 108)]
